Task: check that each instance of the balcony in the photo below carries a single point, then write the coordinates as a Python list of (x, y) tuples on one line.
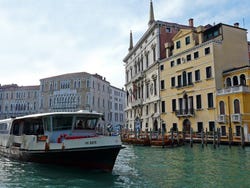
[(222, 118), (234, 89), (185, 112), (236, 118), (137, 102)]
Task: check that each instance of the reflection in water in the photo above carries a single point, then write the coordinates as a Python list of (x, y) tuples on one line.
[(142, 167)]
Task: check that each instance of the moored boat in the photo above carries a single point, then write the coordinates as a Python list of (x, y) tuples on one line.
[(64, 138)]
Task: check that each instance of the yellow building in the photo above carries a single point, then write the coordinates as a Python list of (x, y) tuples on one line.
[(192, 72), (233, 101)]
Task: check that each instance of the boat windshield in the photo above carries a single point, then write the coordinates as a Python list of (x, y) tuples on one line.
[(85, 123), (62, 123)]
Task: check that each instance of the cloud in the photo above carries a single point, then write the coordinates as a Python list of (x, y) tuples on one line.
[(39, 39)]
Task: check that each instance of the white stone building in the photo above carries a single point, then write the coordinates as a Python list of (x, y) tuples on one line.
[(18, 100), (142, 73)]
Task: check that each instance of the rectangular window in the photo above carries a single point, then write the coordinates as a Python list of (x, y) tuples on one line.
[(211, 126), (162, 84), (197, 75), (189, 57), (173, 105), (162, 67), (196, 55), (210, 100), (178, 61), (190, 81), (207, 50), (179, 81), (198, 102), (173, 82), (178, 44), (223, 131), (163, 106), (168, 30), (209, 72), (187, 40), (237, 129), (172, 63), (199, 126)]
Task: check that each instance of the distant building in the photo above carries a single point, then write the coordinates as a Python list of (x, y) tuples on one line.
[(193, 71), (117, 103), (18, 100), (142, 73), (78, 91), (67, 92)]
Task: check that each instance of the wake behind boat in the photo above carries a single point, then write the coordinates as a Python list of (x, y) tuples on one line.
[(64, 138)]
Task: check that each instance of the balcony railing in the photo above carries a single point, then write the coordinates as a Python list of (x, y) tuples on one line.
[(235, 89), (137, 102), (222, 118), (185, 112), (236, 118)]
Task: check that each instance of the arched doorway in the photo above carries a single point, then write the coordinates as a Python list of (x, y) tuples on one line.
[(186, 126)]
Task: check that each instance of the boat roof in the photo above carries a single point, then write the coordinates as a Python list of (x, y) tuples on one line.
[(81, 112)]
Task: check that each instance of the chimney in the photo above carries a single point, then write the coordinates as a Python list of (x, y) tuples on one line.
[(191, 22), (236, 24)]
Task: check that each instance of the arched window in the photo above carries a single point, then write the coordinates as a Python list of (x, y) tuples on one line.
[(242, 80), (222, 107), (235, 81), (228, 82), (236, 106)]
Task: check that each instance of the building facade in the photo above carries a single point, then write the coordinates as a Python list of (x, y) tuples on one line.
[(142, 73), (192, 73), (232, 102), (116, 106), (18, 100), (67, 92)]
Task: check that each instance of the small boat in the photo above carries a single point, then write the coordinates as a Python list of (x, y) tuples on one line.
[(78, 139)]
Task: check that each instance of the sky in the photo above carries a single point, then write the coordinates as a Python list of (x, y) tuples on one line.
[(44, 38)]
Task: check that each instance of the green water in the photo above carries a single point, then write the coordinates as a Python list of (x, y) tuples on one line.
[(142, 167)]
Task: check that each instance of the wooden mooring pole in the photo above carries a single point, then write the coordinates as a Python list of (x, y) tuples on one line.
[(172, 137), (218, 137), (206, 137), (191, 137), (230, 137), (214, 139), (202, 138), (242, 136)]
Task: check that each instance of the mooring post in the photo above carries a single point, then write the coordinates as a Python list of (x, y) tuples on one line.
[(242, 136), (218, 137), (150, 134), (230, 137), (172, 136), (162, 135), (178, 140), (202, 138), (206, 137), (183, 135), (191, 137), (214, 138)]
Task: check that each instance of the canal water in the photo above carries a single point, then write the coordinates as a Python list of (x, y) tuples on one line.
[(142, 167)]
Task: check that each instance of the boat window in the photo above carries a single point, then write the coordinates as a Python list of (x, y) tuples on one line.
[(3, 128), (62, 123), (47, 123), (17, 128), (33, 127), (85, 123)]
